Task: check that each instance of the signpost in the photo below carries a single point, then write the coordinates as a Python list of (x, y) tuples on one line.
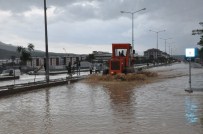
[(190, 53)]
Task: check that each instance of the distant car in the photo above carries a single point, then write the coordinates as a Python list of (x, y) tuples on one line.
[(11, 72)]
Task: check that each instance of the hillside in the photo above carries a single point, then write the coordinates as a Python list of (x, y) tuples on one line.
[(8, 50), (7, 47), (5, 54)]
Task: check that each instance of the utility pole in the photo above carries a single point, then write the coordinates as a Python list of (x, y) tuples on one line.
[(132, 13), (165, 41), (170, 48), (157, 40), (46, 42), (157, 37)]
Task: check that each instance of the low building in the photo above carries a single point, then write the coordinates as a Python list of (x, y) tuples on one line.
[(165, 55), (155, 54), (55, 62), (101, 56)]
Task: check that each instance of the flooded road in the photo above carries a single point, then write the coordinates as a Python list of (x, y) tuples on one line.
[(81, 108), (25, 78)]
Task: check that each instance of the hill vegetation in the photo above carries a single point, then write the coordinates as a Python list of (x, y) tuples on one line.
[(5, 54), (8, 50)]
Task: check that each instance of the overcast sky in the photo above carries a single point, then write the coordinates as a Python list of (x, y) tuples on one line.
[(83, 26)]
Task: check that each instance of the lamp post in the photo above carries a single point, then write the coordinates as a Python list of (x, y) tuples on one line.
[(170, 48), (46, 43), (157, 36), (132, 13), (165, 42)]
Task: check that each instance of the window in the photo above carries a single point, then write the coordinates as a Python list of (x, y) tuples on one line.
[(120, 52)]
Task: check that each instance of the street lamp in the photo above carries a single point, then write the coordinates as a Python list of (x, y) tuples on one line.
[(170, 48), (46, 42), (132, 13), (157, 36), (165, 42)]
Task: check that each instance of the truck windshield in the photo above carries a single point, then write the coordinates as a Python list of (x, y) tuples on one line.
[(120, 52)]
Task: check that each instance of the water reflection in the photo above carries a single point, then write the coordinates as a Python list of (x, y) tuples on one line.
[(190, 110), (47, 120), (122, 105), (194, 109), (120, 93)]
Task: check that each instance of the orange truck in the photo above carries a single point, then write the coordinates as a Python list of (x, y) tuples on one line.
[(122, 59)]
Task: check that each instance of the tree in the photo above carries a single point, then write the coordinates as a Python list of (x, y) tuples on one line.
[(30, 47), (201, 41), (199, 32), (162, 59), (90, 57), (201, 54), (13, 59), (25, 53)]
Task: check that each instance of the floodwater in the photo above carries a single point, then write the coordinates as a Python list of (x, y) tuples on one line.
[(32, 78), (81, 108)]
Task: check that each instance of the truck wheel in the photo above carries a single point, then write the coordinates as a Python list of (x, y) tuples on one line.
[(125, 71), (105, 71)]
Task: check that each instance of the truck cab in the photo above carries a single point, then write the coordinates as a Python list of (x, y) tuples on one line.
[(121, 60)]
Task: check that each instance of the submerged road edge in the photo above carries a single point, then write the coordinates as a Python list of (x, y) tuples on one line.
[(14, 89)]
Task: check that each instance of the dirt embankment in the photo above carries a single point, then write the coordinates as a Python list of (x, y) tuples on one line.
[(131, 80), (120, 80)]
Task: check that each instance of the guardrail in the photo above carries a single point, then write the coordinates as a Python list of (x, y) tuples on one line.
[(17, 88)]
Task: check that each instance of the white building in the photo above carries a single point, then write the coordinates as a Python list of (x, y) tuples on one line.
[(155, 54), (55, 62), (101, 56)]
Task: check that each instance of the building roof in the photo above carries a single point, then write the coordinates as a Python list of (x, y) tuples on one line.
[(153, 49)]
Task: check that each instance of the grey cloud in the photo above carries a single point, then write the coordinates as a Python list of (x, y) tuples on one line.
[(100, 21), (23, 5)]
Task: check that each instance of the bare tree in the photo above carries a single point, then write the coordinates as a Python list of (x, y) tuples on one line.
[(199, 32)]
